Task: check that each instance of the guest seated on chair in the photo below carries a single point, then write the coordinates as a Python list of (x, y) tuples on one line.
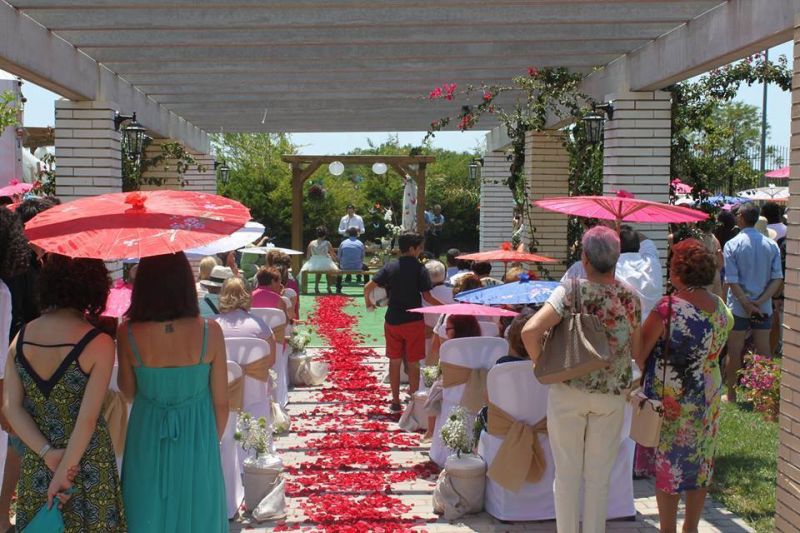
[(207, 264), (351, 255), (268, 292), (235, 319), (483, 269), (209, 302)]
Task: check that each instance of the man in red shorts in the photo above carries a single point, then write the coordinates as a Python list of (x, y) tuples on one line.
[(407, 282)]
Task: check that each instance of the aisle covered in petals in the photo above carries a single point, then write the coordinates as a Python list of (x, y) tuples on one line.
[(345, 477)]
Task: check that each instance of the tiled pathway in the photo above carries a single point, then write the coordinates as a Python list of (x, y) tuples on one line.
[(417, 494)]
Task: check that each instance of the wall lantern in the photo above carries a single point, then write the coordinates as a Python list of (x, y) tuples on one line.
[(223, 169), (132, 133), (474, 165), (594, 120)]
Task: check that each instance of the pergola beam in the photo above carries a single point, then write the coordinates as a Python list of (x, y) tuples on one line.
[(730, 31), (30, 51)]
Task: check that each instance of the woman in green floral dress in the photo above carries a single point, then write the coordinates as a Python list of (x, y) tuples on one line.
[(56, 379)]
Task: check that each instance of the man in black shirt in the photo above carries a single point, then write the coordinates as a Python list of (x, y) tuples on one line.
[(407, 282)]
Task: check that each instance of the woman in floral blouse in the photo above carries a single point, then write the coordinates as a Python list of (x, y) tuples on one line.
[(585, 415), (698, 323)]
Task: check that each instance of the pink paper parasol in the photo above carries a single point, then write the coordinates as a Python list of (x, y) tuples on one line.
[(15, 188), (782, 172), (621, 208), (508, 256), (464, 309), (119, 299)]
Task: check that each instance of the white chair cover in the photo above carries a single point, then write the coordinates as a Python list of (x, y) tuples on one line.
[(472, 352), (243, 351), (513, 388), (231, 467), (489, 329), (276, 318)]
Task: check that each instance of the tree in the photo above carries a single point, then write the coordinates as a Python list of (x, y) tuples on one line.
[(258, 177), (8, 110), (719, 158), (706, 140)]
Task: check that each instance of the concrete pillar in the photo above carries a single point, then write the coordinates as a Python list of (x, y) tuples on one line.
[(636, 153), (87, 149), (196, 180), (787, 516), (547, 175)]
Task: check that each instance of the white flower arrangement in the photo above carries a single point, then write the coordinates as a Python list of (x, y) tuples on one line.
[(455, 434), (254, 435), (387, 216), (394, 231), (298, 341), (430, 374)]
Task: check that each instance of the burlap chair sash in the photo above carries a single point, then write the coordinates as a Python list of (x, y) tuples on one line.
[(474, 381), (280, 334), (236, 394), (115, 411), (258, 369), (520, 458)]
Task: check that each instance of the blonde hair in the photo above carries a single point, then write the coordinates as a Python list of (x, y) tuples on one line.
[(234, 295), (207, 264)]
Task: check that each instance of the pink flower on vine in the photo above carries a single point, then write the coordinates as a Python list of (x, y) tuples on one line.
[(532, 71), (449, 90), (465, 123), (435, 94), (491, 109), (487, 96)]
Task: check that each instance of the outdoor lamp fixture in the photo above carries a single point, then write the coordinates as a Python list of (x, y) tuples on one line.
[(223, 169), (133, 134), (593, 122), (474, 165)]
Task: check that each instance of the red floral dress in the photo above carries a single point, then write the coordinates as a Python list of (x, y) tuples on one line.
[(684, 458)]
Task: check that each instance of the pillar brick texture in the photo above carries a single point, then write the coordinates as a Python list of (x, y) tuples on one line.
[(787, 512), (196, 180), (547, 175), (87, 149), (636, 153), (497, 202)]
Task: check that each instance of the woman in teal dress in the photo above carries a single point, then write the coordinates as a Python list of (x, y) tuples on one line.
[(698, 322), (56, 379), (172, 364)]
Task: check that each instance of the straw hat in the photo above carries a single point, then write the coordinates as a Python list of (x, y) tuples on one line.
[(218, 276), (762, 228)]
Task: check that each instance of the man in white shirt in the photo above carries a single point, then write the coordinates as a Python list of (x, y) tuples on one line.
[(638, 265), (351, 220)]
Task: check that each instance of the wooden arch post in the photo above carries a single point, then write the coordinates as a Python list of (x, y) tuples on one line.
[(303, 166)]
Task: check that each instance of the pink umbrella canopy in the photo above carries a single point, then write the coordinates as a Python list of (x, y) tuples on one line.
[(119, 299), (621, 208), (464, 309), (15, 188), (508, 256), (782, 172)]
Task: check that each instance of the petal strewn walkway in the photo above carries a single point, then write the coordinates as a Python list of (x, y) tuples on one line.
[(349, 467)]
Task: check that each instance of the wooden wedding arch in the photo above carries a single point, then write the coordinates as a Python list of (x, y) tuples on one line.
[(303, 166)]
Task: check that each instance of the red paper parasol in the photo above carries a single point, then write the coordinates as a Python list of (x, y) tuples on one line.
[(119, 299), (622, 208), (15, 188), (140, 224), (464, 309)]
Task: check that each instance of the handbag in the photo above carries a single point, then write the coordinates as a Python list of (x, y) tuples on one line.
[(576, 346), (648, 414)]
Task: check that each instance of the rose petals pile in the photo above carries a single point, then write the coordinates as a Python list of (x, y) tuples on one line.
[(347, 473)]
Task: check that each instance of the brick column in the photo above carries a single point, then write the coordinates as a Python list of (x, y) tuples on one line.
[(196, 180), (547, 175), (636, 153), (787, 516), (497, 202), (87, 149)]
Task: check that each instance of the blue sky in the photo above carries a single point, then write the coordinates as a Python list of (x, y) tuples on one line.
[(39, 112)]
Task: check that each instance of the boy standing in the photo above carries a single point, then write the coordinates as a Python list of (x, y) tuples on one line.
[(407, 282)]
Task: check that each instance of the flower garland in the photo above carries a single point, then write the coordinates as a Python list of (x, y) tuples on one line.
[(347, 473)]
